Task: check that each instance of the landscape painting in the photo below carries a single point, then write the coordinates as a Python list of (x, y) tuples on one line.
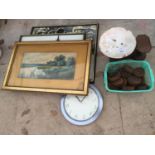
[(48, 65)]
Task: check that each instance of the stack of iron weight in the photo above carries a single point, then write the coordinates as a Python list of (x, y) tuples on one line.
[(143, 47)]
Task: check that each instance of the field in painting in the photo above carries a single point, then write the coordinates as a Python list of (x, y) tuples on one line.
[(48, 66)]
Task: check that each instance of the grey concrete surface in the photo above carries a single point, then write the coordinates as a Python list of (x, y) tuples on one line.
[(39, 113)]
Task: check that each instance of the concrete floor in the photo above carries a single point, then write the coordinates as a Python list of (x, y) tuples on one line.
[(39, 113)]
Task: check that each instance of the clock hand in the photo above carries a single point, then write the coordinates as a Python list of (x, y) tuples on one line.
[(79, 99)]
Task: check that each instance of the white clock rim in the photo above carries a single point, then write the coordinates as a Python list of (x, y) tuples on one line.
[(88, 121)]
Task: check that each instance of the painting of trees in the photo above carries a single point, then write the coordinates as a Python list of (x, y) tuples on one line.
[(61, 60)]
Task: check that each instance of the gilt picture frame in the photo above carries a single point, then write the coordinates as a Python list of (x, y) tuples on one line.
[(91, 33), (56, 67)]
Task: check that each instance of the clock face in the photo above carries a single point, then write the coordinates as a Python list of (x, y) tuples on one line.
[(81, 107), (82, 110)]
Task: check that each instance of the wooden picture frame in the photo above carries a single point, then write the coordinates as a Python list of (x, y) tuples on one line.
[(91, 32), (56, 67)]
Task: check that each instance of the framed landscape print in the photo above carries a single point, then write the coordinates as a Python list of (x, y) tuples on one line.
[(58, 67), (90, 31)]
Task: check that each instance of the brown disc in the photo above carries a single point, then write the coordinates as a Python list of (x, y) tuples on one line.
[(118, 83), (139, 72), (133, 80), (128, 88), (111, 86), (125, 74), (128, 69), (114, 76), (142, 87), (143, 43), (125, 81)]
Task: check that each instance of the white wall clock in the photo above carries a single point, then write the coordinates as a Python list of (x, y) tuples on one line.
[(82, 110)]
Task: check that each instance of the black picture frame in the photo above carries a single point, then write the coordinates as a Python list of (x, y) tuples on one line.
[(85, 28), (21, 36)]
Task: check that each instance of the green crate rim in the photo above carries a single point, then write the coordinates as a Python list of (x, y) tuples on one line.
[(123, 62)]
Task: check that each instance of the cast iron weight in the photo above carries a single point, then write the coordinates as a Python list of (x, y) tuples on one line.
[(143, 43)]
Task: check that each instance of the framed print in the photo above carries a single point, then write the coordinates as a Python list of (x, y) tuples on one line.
[(52, 37), (90, 31), (58, 67)]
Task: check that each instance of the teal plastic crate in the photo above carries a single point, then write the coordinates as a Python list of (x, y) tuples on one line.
[(149, 77)]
